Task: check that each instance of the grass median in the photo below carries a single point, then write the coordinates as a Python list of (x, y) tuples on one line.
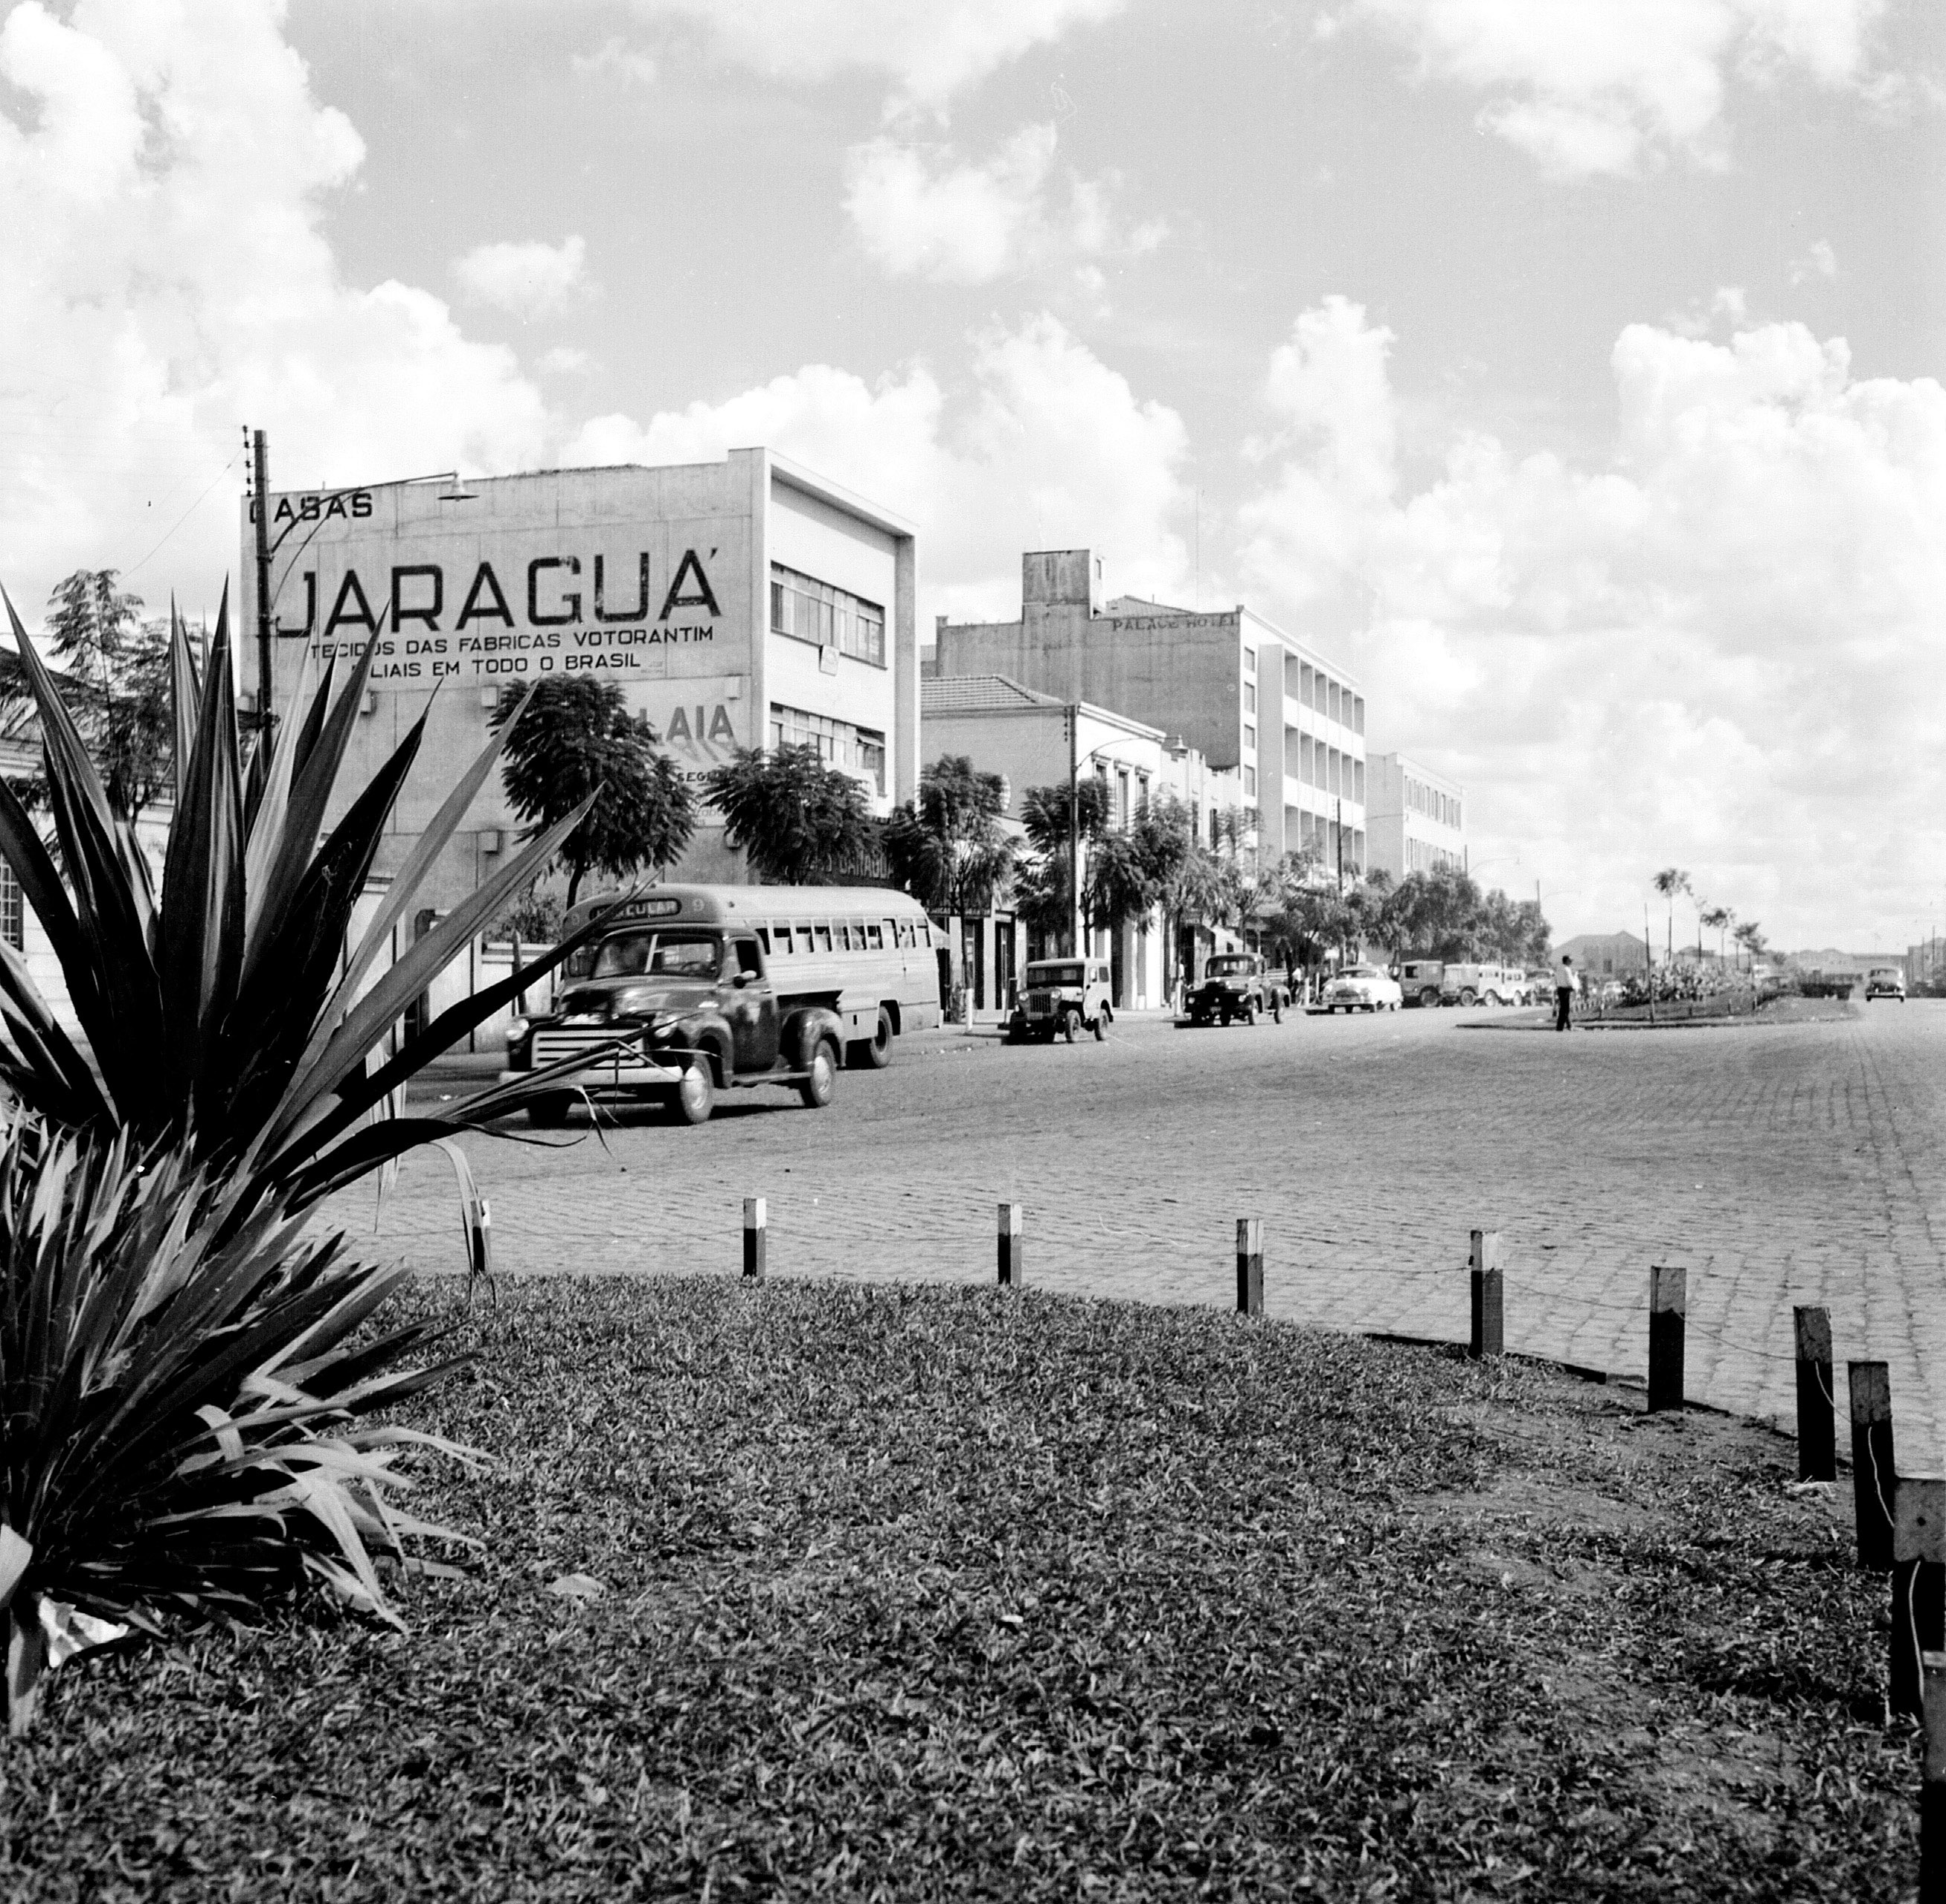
[(802, 1590)]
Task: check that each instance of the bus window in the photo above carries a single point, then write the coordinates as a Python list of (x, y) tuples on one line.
[(906, 934), (874, 936), (891, 935), (841, 934), (821, 934), (857, 935), (780, 938), (747, 957)]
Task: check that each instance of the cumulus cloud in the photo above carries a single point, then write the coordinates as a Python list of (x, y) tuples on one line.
[(1702, 652), (1604, 85), (167, 278), (930, 52), (616, 59), (1041, 445), (919, 215), (530, 280)]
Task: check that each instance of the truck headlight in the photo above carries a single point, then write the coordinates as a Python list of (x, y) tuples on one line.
[(518, 1029)]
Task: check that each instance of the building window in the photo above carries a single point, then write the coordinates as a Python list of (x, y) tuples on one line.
[(1250, 737), (1331, 699), (1358, 713), (1358, 773), (13, 910), (808, 610), (1250, 781), (857, 750), (1250, 659), (1249, 697), (1306, 676)]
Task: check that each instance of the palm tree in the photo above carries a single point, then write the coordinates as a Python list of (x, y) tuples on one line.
[(1749, 936), (1669, 882), (1718, 919)]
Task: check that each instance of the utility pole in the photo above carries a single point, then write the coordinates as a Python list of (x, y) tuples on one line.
[(261, 457), (1074, 825)]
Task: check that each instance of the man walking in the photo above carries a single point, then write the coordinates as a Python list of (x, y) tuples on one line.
[(1565, 986)]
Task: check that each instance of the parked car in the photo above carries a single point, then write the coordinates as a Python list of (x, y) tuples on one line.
[(1420, 980), (1237, 985), (1884, 981), (1363, 988), (1064, 995)]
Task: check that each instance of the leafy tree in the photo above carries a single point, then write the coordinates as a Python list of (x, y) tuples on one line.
[(795, 816), (1043, 885), (1718, 919), (945, 847), (577, 738), (114, 680), (1749, 936)]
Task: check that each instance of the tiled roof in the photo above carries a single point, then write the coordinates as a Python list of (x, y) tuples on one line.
[(977, 694)]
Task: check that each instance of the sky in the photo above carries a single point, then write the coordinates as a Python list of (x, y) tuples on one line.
[(1569, 374)]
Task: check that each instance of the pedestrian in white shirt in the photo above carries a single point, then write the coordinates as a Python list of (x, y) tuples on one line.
[(1566, 984)]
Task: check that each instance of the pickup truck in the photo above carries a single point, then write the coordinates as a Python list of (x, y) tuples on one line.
[(675, 1013), (1237, 985)]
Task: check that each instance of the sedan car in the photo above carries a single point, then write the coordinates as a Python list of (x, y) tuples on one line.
[(1363, 988), (1886, 981)]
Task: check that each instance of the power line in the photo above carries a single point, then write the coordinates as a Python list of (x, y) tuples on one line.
[(186, 513)]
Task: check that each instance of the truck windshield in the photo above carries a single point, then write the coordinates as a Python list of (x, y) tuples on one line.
[(1054, 975), (666, 955), (1228, 968)]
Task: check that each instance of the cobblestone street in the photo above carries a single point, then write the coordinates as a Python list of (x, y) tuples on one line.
[(1781, 1163)]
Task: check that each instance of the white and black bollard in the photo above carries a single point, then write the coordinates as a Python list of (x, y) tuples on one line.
[(1249, 1266), (756, 1234), (1010, 1270)]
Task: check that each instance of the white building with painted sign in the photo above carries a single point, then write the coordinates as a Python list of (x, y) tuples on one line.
[(738, 603)]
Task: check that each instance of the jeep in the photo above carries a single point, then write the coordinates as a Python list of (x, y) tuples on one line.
[(1067, 995), (1237, 985)]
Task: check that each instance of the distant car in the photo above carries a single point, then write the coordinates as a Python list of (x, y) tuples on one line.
[(1363, 988), (1237, 985), (1066, 996), (1886, 981)]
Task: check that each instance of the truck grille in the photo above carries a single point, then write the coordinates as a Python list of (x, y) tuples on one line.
[(552, 1046), (1040, 1004)]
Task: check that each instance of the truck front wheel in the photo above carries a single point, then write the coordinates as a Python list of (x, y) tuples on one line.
[(817, 1089), (1070, 1024), (695, 1097)]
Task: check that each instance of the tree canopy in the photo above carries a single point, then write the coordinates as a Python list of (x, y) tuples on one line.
[(577, 735), (1442, 914), (945, 847), (799, 819), (114, 679)]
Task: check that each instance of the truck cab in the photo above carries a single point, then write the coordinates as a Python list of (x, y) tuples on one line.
[(1237, 985)]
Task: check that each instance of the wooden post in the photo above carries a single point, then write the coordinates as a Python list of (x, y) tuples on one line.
[(1817, 1444), (1873, 1470), (1932, 1793), (1489, 1309), (1918, 1586), (756, 1235), (1668, 1297), (1010, 1246), (1249, 1266)]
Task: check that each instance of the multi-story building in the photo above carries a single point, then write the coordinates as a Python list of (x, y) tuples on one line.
[(738, 603), (1288, 721), (1416, 820), (1605, 955), (1024, 736)]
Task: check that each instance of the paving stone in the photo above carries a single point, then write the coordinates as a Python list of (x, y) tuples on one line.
[(1779, 1163)]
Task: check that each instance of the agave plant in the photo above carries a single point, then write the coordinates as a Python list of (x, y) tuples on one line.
[(232, 1013), (184, 1382)]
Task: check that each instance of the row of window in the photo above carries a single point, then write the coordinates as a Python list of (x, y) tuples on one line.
[(786, 939), (1421, 857), (857, 750), (1429, 801), (807, 609), (1330, 770), (1318, 691)]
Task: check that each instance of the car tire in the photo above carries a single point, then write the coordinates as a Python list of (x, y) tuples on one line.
[(1250, 1011), (551, 1112), (1101, 1026), (1469, 997), (1070, 1024), (817, 1089), (695, 1097), (1427, 998), (874, 1053), (1277, 1009)]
